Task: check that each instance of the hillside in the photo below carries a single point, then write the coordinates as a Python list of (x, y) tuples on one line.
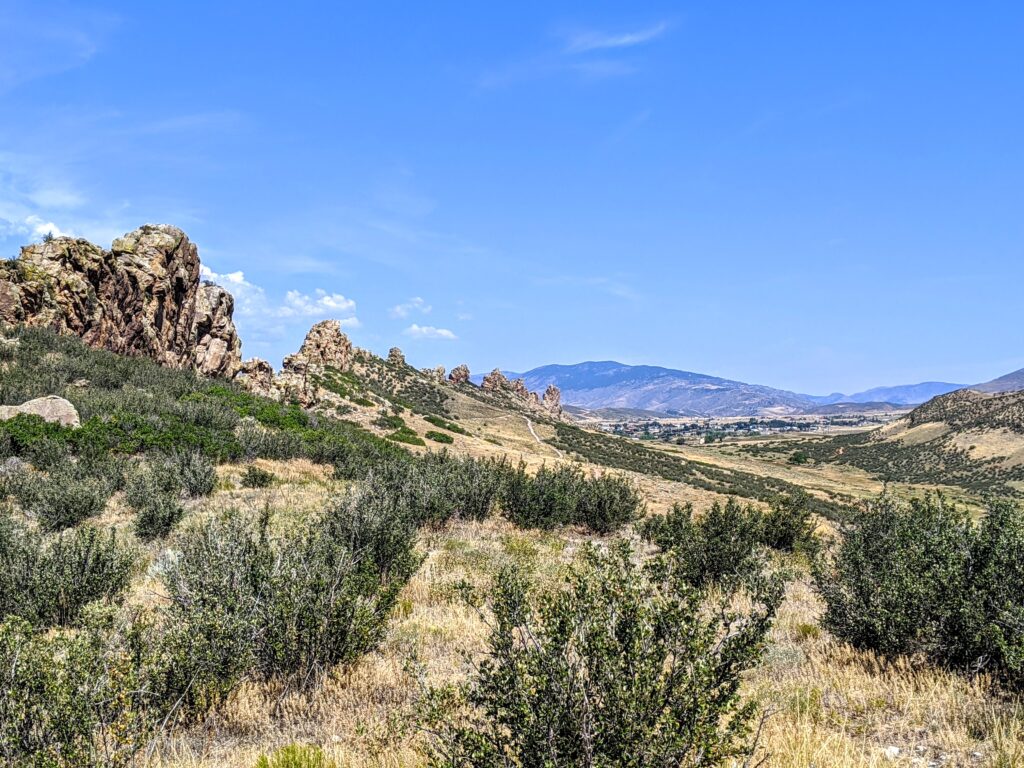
[(666, 391), (1011, 382), (965, 438)]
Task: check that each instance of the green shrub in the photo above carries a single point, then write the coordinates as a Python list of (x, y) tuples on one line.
[(439, 437), (245, 604), (406, 435), (77, 699), (256, 477), (153, 491), (921, 578), (719, 547), (566, 496), (49, 580), (788, 526), (618, 668), (389, 421), (196, 473), (296, 756), (441, 423), (63, 497)]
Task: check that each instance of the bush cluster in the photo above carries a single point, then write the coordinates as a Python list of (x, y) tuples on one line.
[(565, 495), (256, 477), (49, 580), (622, 666), (62, 497), (922, 578), (723, 545)]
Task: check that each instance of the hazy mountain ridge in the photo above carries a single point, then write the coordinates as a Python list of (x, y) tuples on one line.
[(612, 385)]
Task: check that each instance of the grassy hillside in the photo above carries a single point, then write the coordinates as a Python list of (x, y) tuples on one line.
[(965, 439)]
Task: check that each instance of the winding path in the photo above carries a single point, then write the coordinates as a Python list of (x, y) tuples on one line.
[(537, 437)]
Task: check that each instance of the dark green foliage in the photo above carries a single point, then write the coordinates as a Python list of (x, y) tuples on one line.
[(719, 547), (438, 487), (921, 578), (389, 421), (132, 405), (612, 451), (62, 497), (256, 477), (437, 421), (48, 580), (788, 526), (565, 495), (439, 437), (244, 603), (154, 491), (799, 457), (77, 699), (620, 667), (406, 435)]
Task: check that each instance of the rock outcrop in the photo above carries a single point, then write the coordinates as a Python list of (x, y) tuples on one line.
[(396, 356), (325, 346), (257, 376), (498, 383), (51, 408), (459, 374), (142, 297)]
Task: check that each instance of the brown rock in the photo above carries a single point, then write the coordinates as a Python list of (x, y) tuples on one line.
[(496, 381), (50, 408), (396, 356), (326, 345), (257, 376), (459, 374), (552, 401), (142, 297)]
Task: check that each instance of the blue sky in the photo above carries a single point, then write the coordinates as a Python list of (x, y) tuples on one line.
[(814, 196)]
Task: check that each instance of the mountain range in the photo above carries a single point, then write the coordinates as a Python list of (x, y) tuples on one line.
[(609, 384)]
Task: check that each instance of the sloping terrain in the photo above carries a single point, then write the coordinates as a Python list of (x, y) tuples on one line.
[(965, 438), (1011, 382)]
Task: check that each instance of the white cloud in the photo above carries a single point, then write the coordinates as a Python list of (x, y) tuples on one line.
[(429, 332), (415, 304), (251, 301), (595, 41)]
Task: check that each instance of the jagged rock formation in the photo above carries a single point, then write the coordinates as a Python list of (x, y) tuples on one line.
[(459, 374), (142, 297), (435, 374), (396, 356), (326, 344), (51, 408), (257, 376), (498, 383), (552, 401)]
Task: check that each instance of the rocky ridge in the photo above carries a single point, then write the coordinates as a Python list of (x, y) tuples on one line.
[(142, 297)]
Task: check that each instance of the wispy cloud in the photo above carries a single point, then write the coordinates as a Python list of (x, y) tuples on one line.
[(429, 332), (581, 42), (588, 54), (610, 286), (415, 304)]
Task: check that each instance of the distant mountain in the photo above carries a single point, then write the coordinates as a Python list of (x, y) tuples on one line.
[(608, 384), (612, 385), (905, 394), (1011, 382)]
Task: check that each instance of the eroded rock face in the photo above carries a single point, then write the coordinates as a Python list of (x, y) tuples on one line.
[(459, 374), (326, 345), (396, 356), (142, 297), (495, 381), (51, 408), (257, 376), (552, 401)]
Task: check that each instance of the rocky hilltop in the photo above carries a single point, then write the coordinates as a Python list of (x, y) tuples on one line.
[(144, 296), (141, 297)]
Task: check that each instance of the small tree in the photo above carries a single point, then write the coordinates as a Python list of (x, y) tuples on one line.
[(623, 666)]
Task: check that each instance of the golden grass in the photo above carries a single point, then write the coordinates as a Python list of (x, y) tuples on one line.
[(831, 705)]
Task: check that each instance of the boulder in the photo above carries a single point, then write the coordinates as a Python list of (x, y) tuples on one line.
[(50, 408)]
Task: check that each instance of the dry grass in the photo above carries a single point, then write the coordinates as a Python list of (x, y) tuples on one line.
[(831, 705)]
